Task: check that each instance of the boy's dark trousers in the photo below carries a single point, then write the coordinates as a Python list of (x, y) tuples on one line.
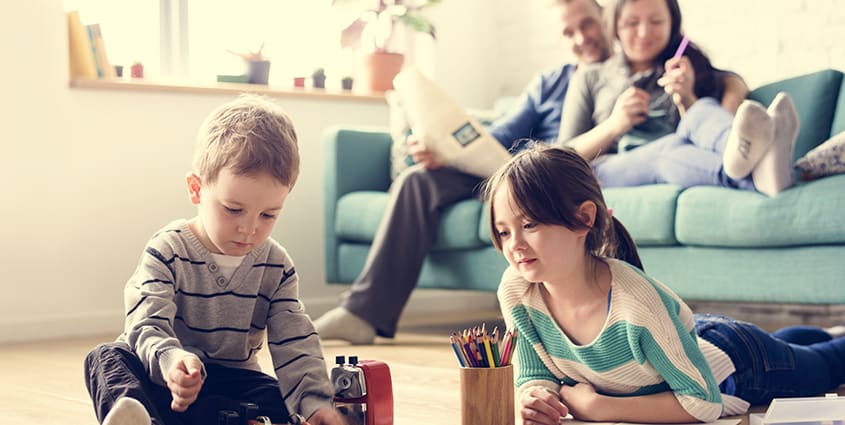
[(113, 371)]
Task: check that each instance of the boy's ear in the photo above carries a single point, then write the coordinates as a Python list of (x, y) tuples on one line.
[(194, 187), (587, 213)]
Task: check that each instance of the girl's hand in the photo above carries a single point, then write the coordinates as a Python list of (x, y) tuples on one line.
[(581, 400), (630, 109), (421, 154), (542, 407), (184, 380), (679, 81)]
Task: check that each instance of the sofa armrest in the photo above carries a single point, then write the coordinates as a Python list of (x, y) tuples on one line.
[(355, 159)]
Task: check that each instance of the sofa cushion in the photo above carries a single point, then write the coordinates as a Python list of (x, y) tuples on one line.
[(815, 96), (359, 215), (824, 160), (648, 212), (807, 214)]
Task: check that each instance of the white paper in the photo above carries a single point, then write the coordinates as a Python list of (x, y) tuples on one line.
[(457, 139)]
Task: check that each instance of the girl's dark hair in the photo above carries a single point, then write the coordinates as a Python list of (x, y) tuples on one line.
[(548, 184), (707, 83)]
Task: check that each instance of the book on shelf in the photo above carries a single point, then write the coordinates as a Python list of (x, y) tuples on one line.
[(98, 47), (81, 57)]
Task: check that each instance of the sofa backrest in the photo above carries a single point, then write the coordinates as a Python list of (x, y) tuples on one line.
[(816, 97), (839, 117)]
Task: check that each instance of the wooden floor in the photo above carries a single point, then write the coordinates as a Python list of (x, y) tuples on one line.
[(43, 382)]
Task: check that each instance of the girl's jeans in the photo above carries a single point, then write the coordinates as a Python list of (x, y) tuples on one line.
[(113, 371), (797, 361), (691, 156)]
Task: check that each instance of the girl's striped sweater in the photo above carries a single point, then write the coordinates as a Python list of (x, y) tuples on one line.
[(647, 345)]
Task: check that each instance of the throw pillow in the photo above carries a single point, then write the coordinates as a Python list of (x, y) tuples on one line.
[(825, 159), (399, 131)]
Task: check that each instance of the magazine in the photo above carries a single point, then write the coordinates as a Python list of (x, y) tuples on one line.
[(457, 139)]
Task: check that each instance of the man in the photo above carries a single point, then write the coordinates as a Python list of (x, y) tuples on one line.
[(418, 196)]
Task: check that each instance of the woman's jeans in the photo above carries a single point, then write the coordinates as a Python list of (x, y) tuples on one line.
[(691, 156), (112, 371), (797, 361)]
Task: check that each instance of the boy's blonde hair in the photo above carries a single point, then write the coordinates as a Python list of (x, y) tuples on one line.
[(251, 135)]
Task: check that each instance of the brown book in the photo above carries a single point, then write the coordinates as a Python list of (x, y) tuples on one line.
[(81, 57)]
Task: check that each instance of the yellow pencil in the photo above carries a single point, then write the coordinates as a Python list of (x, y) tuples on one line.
[(490, 361)]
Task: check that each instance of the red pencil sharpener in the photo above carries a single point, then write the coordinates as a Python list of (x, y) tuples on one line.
[(363, 391)]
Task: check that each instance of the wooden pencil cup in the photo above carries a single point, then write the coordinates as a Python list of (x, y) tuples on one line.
[(487, 396)]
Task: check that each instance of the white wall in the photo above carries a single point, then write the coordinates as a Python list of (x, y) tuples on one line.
[(89, 175)]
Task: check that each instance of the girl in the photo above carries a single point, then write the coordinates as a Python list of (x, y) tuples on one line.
[(603, 341), (647, 92)]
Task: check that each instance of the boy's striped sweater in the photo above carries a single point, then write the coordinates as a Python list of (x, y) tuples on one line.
[(647, 345), (179, 302)]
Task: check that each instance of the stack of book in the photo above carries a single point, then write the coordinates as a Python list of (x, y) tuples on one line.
[(88, 58)]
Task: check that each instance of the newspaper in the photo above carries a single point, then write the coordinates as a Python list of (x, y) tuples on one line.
[(457, 139)]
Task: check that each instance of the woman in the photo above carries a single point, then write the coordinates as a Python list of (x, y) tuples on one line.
[(649, 92)]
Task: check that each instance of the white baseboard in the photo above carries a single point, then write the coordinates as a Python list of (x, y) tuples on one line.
[(79, 325), (424, 302)]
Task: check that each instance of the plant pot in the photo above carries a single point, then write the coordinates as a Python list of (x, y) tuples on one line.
[(318, 82), (258, 72), (299, 81), (346, 83), (378, 69)]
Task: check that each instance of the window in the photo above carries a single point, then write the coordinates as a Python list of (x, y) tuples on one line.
[(194, 39)]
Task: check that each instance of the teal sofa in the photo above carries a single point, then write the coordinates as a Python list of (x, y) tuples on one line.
[(709, 244)]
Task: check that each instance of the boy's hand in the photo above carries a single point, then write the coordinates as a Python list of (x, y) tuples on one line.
[(325, 416), (421, 154), (542, 407), (184, 379)]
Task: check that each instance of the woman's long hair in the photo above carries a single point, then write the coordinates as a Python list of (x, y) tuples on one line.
[(707, 83), (548, 184)]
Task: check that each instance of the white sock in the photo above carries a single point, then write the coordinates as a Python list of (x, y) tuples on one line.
[(836, 331), (339, 323), (127, 411), (750, 138), (774, 173)]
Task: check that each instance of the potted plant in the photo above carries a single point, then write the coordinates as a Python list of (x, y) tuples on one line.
[(346, 82), (373, 31), (258, 65), (318, 78)]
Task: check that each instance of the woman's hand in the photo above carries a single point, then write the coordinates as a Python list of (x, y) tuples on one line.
[(542, 407), (630, 109), (581, 400), (184, 380), (679, 81), (421, 154)]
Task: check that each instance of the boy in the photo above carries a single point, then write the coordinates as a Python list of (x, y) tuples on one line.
[(208, 289)]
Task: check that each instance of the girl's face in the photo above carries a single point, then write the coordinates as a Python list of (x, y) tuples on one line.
[(539, 252), (643, 29)]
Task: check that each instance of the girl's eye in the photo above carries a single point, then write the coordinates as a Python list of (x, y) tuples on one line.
[(268, 216), (233, 210), (502, 233), (529, 225)]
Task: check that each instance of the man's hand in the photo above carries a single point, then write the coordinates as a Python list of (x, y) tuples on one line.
[(581, 400), (184, 379), (325, 416), (542, 407), (421, 154), (630, 109), (679, 82)]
